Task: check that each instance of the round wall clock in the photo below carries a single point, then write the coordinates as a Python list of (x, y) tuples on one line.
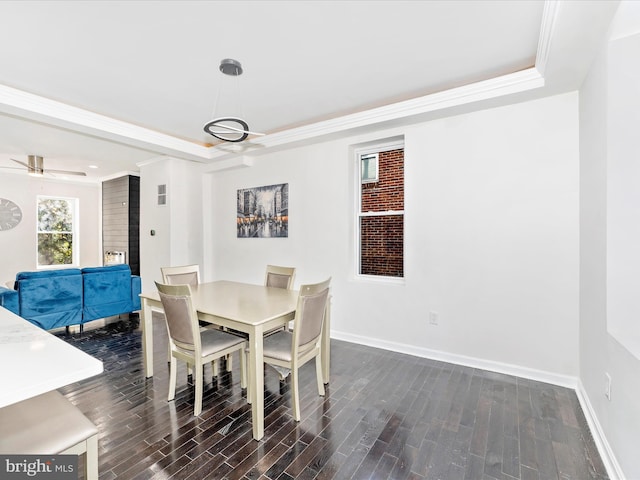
[(10, 214)]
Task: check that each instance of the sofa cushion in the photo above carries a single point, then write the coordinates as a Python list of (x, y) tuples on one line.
[(63, 272), (122, 267), (107, 291), (51, 298), (9, 300), (71, 296)]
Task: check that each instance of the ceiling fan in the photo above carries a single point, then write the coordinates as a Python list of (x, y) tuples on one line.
[(35, 167)]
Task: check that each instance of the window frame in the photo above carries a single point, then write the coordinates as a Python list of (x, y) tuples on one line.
[(359, 151), (75, 218)]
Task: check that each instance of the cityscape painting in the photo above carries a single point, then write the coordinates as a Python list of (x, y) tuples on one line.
[(263, 212)]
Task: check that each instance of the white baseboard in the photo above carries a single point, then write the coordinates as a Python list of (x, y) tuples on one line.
[(608, 458), (499, 367), (606, 453)]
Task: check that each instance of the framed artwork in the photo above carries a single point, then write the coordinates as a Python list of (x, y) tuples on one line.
[(263, 212)]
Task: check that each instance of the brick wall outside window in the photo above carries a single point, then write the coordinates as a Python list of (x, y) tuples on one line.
[(382, 236)]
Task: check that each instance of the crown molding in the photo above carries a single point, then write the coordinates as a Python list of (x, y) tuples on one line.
[(547, 29), (34, 107), (123, 173), (229, 164), (476, 92)]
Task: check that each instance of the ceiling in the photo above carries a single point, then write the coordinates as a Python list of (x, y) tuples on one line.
[(115, 83)]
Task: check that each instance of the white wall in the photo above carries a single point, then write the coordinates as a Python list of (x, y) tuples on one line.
[(177, 225), (18, 245), (617, 422), (623, 194), (491, 237)]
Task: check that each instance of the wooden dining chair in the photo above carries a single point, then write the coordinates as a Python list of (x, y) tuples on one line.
[(287, 351), (191, 344), (182, 275), (279, 277)]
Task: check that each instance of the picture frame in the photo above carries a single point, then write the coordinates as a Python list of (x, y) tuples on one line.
[(263, 212)]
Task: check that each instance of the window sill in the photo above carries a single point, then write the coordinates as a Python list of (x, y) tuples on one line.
[(400, 281)]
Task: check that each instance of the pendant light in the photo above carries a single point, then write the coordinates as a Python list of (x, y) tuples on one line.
[(229, 128)]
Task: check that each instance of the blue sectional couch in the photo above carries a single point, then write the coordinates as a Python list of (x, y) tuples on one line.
[(71, 296)]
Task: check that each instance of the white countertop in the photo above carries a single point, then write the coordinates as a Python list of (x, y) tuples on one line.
[(33, 361)]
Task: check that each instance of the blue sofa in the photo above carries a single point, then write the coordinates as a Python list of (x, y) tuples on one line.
[(9, 300), (71, 296)]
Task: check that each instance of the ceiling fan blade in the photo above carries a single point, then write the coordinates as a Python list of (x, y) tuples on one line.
[(65, 172), (48, 170), (21, 163)]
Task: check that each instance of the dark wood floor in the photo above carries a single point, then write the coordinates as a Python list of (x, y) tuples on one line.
[(385, 416)]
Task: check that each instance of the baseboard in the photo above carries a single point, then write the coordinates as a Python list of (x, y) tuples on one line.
[(606, 453), (608, 458), (505, 368)]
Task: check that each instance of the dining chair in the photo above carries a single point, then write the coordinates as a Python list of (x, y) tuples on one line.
[(191, 344), (182, 275), (279, 277), (287, 351), (189, 275)]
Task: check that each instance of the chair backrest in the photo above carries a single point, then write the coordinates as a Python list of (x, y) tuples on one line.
[(307, 324), (183, 275), (279, 277), (182, 319)]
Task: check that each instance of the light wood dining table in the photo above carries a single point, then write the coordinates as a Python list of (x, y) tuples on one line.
[(249, 308)]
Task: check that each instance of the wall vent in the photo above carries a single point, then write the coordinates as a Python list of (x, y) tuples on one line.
[(162, 194)]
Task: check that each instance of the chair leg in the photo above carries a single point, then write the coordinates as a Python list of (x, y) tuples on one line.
[(243, 369), (229, 362), (245, 375), (91, 458), (197, 408), (215, 367), (294, 394), (319, 375), (173, 377), (228, 357)]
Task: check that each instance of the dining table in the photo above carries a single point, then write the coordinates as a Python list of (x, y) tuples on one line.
[(35, 361), (244, 307)]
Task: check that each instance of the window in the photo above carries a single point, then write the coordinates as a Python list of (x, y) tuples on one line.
[(56, 231), (380, 215), (369, 167)]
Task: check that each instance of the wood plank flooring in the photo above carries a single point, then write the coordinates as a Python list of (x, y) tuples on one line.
[(385, 416)]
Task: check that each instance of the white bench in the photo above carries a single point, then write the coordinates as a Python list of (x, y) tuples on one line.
[(49, 425)]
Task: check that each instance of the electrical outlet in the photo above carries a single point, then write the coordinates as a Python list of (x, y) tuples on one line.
[(607, 386), (433, 318)]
